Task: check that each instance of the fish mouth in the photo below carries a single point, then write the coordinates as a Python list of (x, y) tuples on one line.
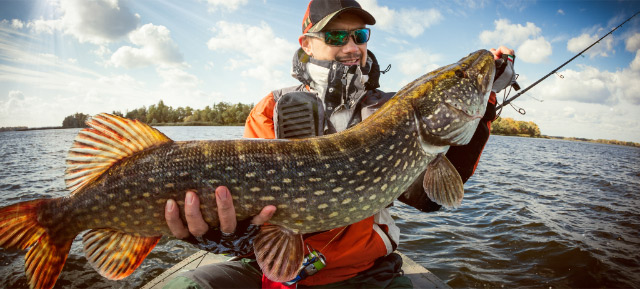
[(462, 112), (461, 128)]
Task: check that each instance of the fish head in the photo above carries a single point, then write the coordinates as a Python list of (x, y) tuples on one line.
[(453, 99)]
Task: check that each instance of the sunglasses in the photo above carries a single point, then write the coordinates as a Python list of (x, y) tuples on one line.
[(341, 37)]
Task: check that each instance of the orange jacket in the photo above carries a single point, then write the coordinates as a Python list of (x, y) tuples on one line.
[(355, 247)]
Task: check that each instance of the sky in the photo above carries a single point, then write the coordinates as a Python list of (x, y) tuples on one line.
[(59, 57)]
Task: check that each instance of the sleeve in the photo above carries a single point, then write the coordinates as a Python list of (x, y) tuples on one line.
[(259, 123)]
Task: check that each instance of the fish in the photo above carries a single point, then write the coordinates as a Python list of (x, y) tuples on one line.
[(121, 172)]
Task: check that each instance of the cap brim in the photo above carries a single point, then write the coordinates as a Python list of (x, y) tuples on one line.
[(364, 15)]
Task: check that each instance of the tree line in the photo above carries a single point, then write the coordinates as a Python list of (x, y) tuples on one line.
[(224, 113), (509, 126), (221, 113)]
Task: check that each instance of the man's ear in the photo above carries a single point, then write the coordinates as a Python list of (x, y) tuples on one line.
[(305, 43)]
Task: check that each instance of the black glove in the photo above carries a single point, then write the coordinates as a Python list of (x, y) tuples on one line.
[(238, 243), (505, 74)]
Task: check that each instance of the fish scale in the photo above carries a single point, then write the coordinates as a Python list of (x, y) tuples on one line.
[(122, 172)]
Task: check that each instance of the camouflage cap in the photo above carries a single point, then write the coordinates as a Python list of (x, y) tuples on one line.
[(321, 12)]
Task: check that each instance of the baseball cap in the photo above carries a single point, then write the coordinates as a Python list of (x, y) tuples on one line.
[(321, 12)]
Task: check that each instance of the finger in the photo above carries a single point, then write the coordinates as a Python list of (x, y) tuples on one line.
[(172, 216), (264, 216), (195, 222), (506, 50), (496, 53), (226, 211)]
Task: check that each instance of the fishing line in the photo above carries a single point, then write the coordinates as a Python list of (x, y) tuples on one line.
[(559, 67)]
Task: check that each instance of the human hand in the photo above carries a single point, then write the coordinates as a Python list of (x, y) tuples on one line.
[(497, 53), (505, 73), (228, 238)]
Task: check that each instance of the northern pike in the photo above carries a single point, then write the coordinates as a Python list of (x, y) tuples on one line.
[(121, 173)]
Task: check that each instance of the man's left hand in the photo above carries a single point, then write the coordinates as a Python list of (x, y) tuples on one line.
[(497, 53), (505, 73)]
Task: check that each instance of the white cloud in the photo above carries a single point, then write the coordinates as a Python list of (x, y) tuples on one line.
[(412, 22), (635, 64), (560, 12), (98, 21), (228, 5), (583, 41), (529, 44), (102, 51), (17, 24), (569, 112), (251, 54), (176, 77), (417, 61), (156, 47), (45, 26), (633, 43), (590, 85), (534, 50), (14, 100)]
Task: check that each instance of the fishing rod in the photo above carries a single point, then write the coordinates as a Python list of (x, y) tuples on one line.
[(559, 67)]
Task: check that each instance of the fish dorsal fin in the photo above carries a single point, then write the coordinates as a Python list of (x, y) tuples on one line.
[(442, 183), (114, 254), (279, 252), (108, 139)]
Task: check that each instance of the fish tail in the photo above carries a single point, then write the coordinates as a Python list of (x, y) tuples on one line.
[(19, 229)]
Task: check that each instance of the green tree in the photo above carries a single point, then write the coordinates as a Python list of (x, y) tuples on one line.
[(75, 120), (509, 126)]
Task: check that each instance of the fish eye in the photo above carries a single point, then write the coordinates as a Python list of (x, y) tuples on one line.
[(461, 74)]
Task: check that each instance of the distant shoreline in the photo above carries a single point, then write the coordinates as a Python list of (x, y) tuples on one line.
[(2, 129), (602, 141)]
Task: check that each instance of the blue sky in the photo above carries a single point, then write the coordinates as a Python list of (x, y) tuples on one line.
[(58, 57)]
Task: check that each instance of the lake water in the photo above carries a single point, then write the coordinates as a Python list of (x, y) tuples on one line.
[(537, 214)]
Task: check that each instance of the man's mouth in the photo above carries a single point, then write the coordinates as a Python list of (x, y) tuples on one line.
[(349, 60)]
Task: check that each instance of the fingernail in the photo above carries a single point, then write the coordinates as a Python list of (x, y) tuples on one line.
[(190, 198), (224, 194), (170, 205)]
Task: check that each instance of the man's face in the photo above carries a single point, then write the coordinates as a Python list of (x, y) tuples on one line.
[(349, 54)]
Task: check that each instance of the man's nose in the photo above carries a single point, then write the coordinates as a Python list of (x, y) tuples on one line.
[(351, 46)]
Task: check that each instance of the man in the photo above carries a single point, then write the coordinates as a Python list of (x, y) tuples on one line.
[(340, 76)]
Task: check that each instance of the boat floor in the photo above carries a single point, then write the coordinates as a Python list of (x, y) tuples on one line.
[(420, 276)]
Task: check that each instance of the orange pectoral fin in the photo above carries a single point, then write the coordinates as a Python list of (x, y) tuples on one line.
[(114, 254), (279, 252)]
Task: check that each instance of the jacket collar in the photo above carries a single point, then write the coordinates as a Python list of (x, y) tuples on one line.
[(314, 73)]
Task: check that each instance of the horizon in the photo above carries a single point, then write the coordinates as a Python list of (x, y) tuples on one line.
[(57, 59)]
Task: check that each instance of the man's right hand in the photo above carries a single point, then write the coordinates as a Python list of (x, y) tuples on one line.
[(196, 226)]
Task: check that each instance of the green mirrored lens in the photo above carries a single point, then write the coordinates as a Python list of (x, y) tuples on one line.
[(338, 37)]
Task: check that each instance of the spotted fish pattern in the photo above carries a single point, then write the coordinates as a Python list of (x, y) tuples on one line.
[(121, 173)]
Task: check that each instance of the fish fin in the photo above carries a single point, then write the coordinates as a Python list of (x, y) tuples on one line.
[(442, 183), (108, 139), (19, 229), (279, 252), (114, 254)]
